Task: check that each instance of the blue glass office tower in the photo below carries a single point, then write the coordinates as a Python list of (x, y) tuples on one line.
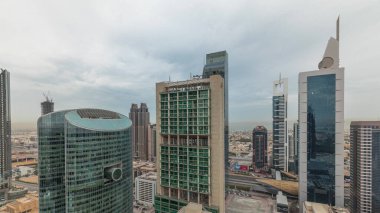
[(85, 162), (321, 133)]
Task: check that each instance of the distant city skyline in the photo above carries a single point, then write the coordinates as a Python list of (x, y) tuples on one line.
[(117, 61)]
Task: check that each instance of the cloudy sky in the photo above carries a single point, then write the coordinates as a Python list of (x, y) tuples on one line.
[(109, 54)]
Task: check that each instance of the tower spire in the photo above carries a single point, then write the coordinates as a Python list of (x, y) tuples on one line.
[(337, 28)]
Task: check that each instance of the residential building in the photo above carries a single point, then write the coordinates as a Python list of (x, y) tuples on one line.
[(190, 144), (47, 106), (146, 188), (365, 166), (217, 64), (85, 161), (260, 148), (321, 130), (140, 131), (5, 134), (280, 124)]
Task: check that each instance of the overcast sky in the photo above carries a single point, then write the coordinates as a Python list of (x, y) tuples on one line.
[(109, 54)]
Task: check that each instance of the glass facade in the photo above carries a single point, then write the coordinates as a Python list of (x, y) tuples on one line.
[(321, 138), (84, 166), (375, 170), (279, 132), (260, 147), (185, 149)]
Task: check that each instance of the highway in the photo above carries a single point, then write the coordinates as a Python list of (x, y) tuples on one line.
[(31, 187)]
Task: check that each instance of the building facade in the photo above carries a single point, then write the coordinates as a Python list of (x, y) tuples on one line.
[(190, 144), (260, 148), (153, 141), (5, 134), (140, 131), (280, 124), (321, 130), (217, 64), (47, 106), (85, 162), (146, 188), (365, 166)]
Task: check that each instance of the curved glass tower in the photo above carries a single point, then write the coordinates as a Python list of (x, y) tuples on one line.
[(85, 161)]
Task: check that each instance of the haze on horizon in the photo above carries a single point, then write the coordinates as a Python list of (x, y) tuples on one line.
[(110, 54)]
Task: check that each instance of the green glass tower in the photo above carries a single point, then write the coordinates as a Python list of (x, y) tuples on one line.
[(190, 144), (85, 161)]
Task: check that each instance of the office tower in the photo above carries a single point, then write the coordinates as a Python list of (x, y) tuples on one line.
[(152, 142), (260, 148), (47, 106), (321, 130), (146, 188), (280, 124), (85, 161), (5, 134), (140, 131), (217, 64), (365, 166), (296, 145), (190, 144)]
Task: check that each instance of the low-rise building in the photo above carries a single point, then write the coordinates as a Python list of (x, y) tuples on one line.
[(311, 207), (146, 188), (193, 208), (29, 204)]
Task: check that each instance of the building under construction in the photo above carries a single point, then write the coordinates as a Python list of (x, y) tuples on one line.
[(47, 106)]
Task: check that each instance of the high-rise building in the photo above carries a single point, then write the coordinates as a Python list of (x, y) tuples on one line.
[(280, 124), (321, 130), (190, 144), (140, 131), (5, 134), (217, 64), (260, 148), (293, 149), (47, 106), (365, 166), (152, 144), (85, 162), (146, 188)]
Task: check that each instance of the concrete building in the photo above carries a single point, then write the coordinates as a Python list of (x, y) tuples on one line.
[(190, 144), (140, 131), (5, 134), (293, 149), (311, 207), (280, 124), (143, 167), (27, 204), (260, 148), (365, 166), (152, 145), (321, 130), (47, 106), (217, 64), (282, 204), (193, 208), (85, 162), (146, 188)]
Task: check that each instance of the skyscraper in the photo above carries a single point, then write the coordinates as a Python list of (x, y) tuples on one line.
[(294, 149), (47, 106), (321, 130), (140, 131), (365, 166), (190, 144), (280, 124), (260, 147), (85, 162), (217, 64), (153, 141), (5, 134)]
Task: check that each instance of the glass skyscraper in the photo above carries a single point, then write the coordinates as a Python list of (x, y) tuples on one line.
[(321, 130), (280, 124), (85, 162), (260, 148), (5, 134)]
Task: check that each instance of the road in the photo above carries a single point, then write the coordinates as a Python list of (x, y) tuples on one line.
[(31, 187)]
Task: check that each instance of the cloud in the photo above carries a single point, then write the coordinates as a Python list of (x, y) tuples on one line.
[(110, 54)]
